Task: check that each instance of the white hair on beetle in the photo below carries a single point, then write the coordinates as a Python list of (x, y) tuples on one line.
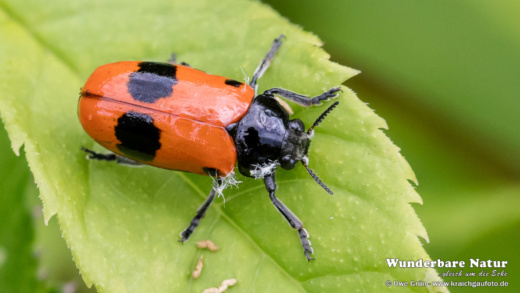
[(225, 182), (262, 170), (246, 78)]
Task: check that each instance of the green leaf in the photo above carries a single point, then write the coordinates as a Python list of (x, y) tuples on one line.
[(122, 223)]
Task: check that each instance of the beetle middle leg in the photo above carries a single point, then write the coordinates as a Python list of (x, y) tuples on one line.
[(302, 99), (109, 157), (201, 212), (293, 220)]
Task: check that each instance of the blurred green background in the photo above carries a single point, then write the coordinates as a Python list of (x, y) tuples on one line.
[(446, 77)]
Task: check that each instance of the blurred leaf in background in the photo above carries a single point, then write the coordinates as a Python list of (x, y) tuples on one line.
[(446, 77), (18, 262)]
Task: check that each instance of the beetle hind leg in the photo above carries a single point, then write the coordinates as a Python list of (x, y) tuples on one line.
[(293, 220), (201, 212), (173, 60), (92, 155)]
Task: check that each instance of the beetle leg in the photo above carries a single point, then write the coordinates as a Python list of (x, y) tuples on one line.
[(304, 100), (293, 220), (200, 213), (173, 60), (109, 157), (266, 62)]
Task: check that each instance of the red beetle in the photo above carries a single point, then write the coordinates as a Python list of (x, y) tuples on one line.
[(176, 117)]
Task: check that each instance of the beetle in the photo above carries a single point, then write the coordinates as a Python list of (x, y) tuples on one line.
[(176, 117)]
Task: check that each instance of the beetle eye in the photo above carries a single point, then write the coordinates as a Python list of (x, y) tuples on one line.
[(269, 113), (297, 125), (287, 162)]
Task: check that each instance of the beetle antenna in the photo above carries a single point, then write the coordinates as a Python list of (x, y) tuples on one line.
[(316, 178), (322, 116)]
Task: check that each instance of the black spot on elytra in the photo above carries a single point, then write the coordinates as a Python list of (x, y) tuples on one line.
[(138, 135), (233, 82), (152, 81)]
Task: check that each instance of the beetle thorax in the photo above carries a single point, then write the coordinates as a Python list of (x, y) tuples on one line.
[(265, 137)]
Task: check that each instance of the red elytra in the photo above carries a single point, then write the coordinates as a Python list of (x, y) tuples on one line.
[(189, 108)]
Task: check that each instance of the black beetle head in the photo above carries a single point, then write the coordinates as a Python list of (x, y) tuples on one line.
[(296, 145)]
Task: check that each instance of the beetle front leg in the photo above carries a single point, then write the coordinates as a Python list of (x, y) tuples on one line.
[(293, 220), (200, 214), (304, 100), (266, 62)]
